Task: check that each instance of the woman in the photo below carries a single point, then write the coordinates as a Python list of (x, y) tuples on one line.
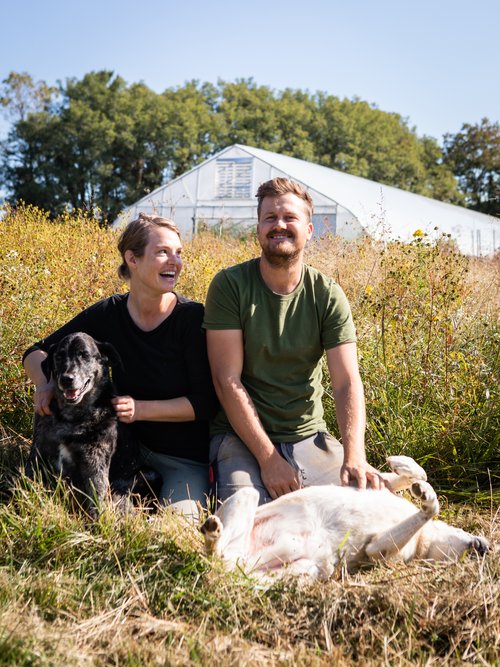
[(165, 388)]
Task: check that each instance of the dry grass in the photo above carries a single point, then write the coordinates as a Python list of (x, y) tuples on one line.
[(141, 592)]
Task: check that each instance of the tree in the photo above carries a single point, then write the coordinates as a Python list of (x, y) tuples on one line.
[(258, 116), (143, 146), (190, 125), (101, 145), (355, 137), (474, 156), (247, 113), (98, 143), (24, 158), (439, 182), (85, 163), (27, 162), (20, 95)]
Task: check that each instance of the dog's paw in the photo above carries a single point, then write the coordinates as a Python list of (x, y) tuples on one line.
[(405, 466), (212, 530), (426, 494), (212, 527)]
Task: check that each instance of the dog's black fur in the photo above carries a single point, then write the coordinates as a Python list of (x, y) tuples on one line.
[(80, 440)]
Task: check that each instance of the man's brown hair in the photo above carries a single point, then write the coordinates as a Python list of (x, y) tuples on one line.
[(135, 237), (282, 186)]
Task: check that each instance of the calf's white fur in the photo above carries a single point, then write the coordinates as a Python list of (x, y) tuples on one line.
[(309, 532)]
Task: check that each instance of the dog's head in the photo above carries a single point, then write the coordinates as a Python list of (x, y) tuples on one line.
[(79, 365), (445, 542)]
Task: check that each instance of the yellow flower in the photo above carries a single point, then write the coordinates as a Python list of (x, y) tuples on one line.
[(368, 290), (418, 232)]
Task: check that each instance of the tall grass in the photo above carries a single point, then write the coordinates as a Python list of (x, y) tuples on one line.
[(427, 321), (138, 591), (428, 328)]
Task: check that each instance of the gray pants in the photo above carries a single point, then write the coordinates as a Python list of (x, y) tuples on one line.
[(184, 482), (317, 459)]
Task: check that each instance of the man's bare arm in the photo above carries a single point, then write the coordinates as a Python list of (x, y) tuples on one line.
[(225, 353), (350, 408)]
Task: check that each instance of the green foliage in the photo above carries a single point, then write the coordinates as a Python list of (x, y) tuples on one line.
[(474, 156), (258, 116), (430, 365), (190, 124), (439, 182), (99, 144), (428, 335), (102, 145), (20, 95), (355, 137)]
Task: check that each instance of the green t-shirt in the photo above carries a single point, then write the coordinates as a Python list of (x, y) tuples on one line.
[(284, 339)]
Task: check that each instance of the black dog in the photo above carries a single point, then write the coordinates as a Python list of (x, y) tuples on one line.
[(79, 439)]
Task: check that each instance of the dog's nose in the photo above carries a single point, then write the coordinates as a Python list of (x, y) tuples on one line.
[(480, 545), (66, 380)]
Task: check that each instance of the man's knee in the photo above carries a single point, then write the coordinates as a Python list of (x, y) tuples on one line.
[(318, 458), (235, 467)]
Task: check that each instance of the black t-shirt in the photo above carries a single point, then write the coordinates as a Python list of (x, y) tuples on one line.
[(168, 362)]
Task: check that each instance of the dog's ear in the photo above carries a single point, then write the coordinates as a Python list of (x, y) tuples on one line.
[(48, 362), (109, 354)]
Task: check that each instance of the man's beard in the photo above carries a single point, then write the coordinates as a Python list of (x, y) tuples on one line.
[(279, 258)]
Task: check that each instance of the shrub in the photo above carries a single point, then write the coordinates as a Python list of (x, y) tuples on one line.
[(428, 347)]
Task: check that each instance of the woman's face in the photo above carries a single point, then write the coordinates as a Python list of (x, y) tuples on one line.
[(160, 265)]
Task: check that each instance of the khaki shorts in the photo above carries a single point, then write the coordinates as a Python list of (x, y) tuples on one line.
[(317, 459)]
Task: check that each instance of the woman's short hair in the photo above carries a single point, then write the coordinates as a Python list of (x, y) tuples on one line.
[(135, 237), (283, 186)]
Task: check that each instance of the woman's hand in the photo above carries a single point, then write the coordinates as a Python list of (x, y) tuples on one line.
[(125, 408), (44, 393)]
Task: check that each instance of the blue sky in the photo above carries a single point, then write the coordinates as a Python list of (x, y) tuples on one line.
[(435, 62)]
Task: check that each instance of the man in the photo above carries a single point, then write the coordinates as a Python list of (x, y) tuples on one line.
[(269, 321)]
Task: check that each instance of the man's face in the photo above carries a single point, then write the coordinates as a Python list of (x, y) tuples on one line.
[(284, 228)]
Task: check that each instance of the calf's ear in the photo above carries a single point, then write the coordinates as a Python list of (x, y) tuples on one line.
[(109, 354)]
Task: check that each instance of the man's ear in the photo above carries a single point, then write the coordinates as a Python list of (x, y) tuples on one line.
[(310, 229)]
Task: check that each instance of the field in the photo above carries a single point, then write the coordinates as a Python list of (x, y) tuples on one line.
[(140, 592)]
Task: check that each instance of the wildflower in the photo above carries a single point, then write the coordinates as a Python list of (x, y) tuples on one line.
[(368, 290), (418, 232)]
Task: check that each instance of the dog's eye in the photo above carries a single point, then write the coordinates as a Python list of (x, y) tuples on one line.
[(81, 355)]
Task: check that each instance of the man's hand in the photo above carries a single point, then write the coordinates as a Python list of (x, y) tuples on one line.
[(278, 476), (361, 474), (125, 408), (44, 393)]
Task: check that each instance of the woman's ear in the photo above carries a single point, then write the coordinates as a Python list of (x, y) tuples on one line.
[(130, 258)]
